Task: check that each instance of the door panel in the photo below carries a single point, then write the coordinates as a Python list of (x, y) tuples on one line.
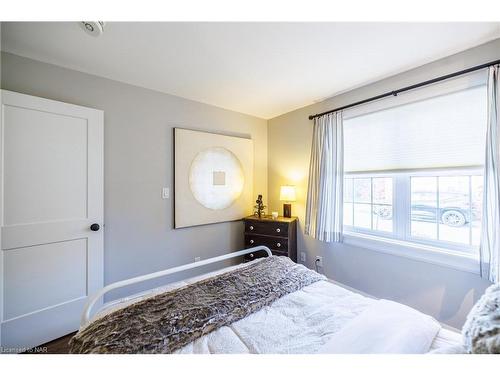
[(45, 156), (31, 330), (52, 191), (41, 276)]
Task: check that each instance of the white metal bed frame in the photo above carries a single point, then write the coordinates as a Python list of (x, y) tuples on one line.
[(120, 284)]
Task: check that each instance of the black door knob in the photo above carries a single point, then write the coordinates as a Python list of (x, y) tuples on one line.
[(95, 227)]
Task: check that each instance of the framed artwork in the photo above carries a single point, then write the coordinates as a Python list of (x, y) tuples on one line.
[(213, 177)]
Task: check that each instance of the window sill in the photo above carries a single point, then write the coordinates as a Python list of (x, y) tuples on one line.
[(423, 253)]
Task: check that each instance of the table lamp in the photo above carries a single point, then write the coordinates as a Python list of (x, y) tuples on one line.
[(287, 194)]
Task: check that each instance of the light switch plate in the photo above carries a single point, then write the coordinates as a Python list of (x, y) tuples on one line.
[(303, 257), (165, 193)]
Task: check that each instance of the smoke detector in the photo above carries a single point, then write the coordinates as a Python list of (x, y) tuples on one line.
[(94, 28)]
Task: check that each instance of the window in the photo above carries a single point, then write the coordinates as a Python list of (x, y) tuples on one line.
[(447, 208), (368, 203), (444, 206), (413, 170)]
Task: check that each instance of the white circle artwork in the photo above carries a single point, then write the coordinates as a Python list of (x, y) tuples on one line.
[(216, 178)]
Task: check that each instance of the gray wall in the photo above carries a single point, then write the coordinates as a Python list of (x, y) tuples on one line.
[(445, 293), (138, 162)]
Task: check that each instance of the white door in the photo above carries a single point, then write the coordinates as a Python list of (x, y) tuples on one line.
[(51, 192)]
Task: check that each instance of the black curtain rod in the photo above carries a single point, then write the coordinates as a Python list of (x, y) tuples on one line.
[(407, 88)]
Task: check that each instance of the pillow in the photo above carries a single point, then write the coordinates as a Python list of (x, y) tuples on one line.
[(481, 331)]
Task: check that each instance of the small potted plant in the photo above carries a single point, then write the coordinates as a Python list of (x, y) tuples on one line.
[(259, 207)]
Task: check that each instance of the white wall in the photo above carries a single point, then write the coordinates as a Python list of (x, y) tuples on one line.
[(138, 162), (445, 293)]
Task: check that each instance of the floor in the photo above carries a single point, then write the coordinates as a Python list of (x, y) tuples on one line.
[(57, 346)]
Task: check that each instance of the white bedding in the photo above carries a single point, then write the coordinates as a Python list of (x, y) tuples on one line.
[(385, 327), (300, 322)]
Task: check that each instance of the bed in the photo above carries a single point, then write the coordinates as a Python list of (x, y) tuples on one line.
[(320, 316)]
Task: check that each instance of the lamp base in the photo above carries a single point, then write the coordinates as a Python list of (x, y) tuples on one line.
[(287, 210)]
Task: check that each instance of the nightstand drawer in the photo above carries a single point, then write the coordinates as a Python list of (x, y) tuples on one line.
[(280, 253), (274, 243), (269, 228), (259, 254)]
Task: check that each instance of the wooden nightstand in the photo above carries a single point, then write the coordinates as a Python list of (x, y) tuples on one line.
[(279, 235)]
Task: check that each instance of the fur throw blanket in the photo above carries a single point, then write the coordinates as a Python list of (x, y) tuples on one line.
[(481, 331), (168, 321)]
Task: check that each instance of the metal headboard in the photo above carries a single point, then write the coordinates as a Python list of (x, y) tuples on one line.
[(119, 284)]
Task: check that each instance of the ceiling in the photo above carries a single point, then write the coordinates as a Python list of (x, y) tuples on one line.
[(262, 69)]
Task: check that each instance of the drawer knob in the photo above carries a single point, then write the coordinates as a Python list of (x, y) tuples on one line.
[(278, 230), (278, 245), (251, 227), (251, 241), (251, 255)]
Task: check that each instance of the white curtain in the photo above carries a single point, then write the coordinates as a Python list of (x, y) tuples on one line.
[(326, 180), (490, 233)]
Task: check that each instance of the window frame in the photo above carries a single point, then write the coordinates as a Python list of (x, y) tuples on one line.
[(401, 206), (371, 232)]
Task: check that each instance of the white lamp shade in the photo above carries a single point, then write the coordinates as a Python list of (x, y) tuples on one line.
[(287, 193)]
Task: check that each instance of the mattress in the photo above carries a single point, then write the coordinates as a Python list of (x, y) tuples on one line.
[(298, 323)]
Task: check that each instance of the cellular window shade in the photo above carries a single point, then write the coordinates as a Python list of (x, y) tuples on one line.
[(442, 131)]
